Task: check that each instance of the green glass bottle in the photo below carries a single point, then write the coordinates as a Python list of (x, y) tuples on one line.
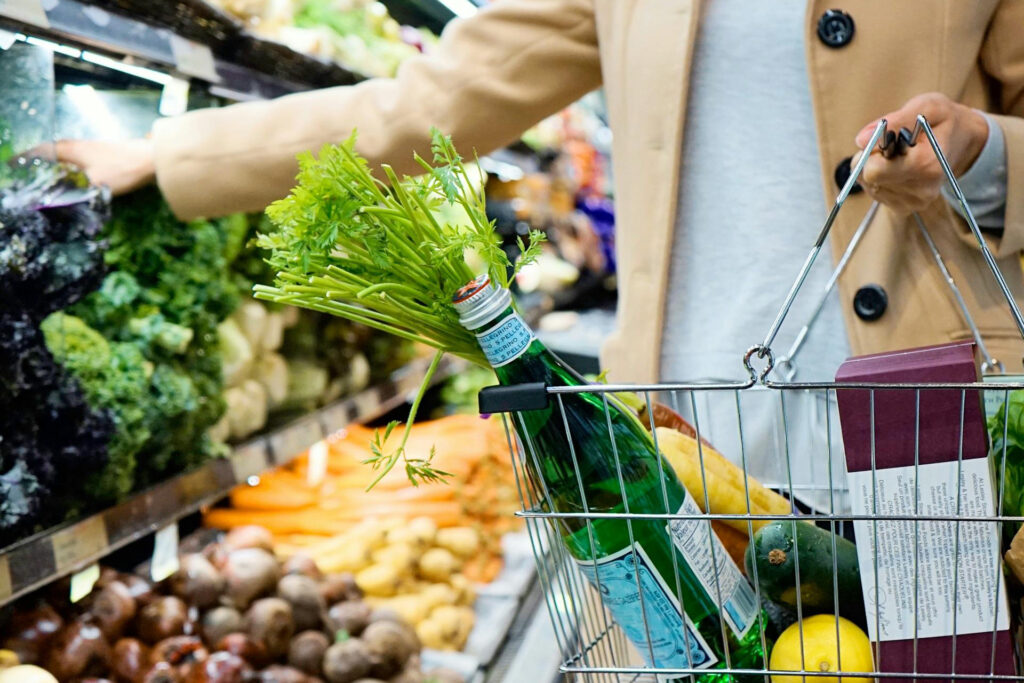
[(644, 569)]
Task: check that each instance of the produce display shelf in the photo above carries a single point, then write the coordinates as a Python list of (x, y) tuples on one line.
[(530, 652), (186, 37), (38, 560)]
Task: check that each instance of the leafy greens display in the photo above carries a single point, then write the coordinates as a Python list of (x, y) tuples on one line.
[(50, 256), (352, 245), (115, 378), (169, 287)]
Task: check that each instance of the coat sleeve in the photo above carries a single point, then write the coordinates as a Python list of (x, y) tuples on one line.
[(1002, 57), (491, 77)]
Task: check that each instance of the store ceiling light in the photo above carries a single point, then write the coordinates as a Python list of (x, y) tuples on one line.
[(130, 69), (460, 8), (51, 46), (97, 59), (91, 107)]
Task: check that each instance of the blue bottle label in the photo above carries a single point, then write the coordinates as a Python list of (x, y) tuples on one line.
[(646, 610), (506, 340)]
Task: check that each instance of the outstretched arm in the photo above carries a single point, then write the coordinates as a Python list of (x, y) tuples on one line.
[(492, 76)]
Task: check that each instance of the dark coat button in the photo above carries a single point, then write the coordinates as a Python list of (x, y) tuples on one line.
[(843, 174), (870, 302), (835, 28)]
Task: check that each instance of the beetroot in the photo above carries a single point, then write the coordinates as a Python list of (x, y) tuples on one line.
[(250, 536), (198, 582), (78, 649), (178, 650), (245, 647), (306, 652), (113, 608), (162, 619), (270, 622), (130, 659), (250, 573), (303, 595), (31, 632), (220, 667), (219, 622), (302, 564)]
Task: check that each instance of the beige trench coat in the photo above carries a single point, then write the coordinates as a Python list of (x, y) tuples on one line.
[(502, 70)]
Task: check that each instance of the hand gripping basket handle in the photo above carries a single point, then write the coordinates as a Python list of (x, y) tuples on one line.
[(763, 350)]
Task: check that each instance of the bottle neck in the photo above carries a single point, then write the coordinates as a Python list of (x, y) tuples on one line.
[(508, 343)]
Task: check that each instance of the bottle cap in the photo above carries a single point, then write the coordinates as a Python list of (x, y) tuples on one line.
[(479, 302)]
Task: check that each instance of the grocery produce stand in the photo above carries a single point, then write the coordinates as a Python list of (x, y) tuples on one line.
[(508, 612), (195, 41), (900, 513), (45, 557)]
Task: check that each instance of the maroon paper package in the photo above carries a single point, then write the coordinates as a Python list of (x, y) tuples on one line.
[(930, 453)]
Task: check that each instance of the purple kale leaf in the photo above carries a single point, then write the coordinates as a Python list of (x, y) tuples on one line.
[(50, 437)]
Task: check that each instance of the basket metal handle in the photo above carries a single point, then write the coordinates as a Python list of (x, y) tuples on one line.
[(763, 350)]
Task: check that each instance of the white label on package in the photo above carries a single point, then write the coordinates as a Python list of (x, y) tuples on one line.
[(711, 564), (995, 398), (968, 590)]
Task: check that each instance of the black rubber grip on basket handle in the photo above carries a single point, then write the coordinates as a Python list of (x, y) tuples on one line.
[(513, 398)]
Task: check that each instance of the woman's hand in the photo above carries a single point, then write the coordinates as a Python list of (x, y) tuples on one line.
[(121, 166), (912, 182)]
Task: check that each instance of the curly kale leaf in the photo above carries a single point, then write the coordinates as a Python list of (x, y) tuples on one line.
[(115, 377), (181, 268), (50, 437), (169, 287), (19, 496), (48, 259)]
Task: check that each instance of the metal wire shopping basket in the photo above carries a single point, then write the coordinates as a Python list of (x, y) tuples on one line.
[(929, 561)]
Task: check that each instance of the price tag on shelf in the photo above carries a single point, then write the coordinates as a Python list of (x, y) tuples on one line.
[(165, 553), (174, 97), (78, 543), (316, 467), (194, 59), (249, 460), (82, 582), (7, 39), (6, 588), (28, 11)]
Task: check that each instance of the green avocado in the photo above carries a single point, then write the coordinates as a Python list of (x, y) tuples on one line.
[(772, 558)]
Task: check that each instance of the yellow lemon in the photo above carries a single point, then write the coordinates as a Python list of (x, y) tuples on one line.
[(822, 651)]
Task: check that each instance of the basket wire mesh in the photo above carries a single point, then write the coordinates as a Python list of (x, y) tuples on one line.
[(596, 649)]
